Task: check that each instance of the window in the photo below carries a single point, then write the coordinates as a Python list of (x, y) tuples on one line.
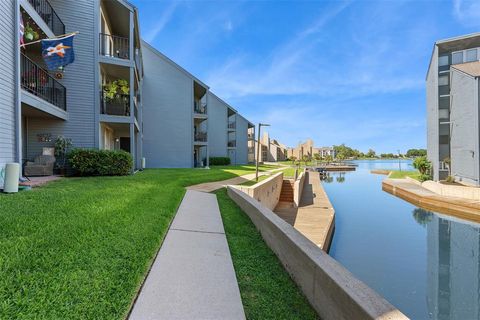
[(471, 55), (443, 81), (444, 103), (443, 61), (457, 57), (443, 114)]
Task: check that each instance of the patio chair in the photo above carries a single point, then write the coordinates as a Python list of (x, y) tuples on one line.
[(41, 166)]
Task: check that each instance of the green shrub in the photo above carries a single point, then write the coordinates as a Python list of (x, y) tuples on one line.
[(219, 161), (93, 162)]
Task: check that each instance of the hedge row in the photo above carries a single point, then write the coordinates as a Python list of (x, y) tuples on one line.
[(219, 161), (93, 162)]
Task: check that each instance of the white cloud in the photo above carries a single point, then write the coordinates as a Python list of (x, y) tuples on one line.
[(161, 22), (467, 12)]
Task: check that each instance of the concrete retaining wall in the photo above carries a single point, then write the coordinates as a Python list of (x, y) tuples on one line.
[(298, 189), (267, 191), (331, 289), (470, 193)]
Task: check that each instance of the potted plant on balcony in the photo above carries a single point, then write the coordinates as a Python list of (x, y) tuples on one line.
[(116, 97), (116, 88), (30, 34), (62, 145)]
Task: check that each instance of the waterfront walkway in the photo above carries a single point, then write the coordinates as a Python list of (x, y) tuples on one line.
[(424, 198), (193, 276), (315, 216)]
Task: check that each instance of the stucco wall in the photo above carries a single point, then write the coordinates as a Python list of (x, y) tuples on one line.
[(7, 84), (298, 188), (432, 113), (331, 289), (167, 112), (217, 126), (464, 128), (267, 192)]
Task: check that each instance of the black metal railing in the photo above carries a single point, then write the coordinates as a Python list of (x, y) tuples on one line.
[(40, 83), (119, 105), (114, 46), (48, 15), (232, 144), (199, 108), (232, 125), (201, 137)]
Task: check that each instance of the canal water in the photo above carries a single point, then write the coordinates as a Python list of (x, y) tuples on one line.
[(423, 262)]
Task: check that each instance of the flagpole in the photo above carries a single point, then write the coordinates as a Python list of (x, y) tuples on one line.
[(55, 38)]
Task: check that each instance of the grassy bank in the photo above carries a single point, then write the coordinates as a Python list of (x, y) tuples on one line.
[(396, 174), (80, 247), (267, 290)]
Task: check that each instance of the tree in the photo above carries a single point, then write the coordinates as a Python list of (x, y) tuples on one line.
[(423, 166), (412, 153), (305, 159), (317, 156), (371, 153)]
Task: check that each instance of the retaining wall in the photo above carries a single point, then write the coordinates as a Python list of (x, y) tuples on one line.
[(331, 289), (298, 188), (267, 191), (471, 193)]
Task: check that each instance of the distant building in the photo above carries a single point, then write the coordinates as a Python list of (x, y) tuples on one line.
[(453, 109), (308, 149), (271, 149)]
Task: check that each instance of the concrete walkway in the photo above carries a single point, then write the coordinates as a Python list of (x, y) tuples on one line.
[(424, 198), (315, 216), (193, 275)]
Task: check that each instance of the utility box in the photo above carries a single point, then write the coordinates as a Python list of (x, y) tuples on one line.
[(12, 173)]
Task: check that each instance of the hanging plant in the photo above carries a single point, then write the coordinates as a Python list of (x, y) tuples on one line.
[(30, 34)]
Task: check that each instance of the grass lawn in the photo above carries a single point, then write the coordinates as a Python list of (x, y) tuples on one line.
[(396, 174), (267, 290), (79, 248)]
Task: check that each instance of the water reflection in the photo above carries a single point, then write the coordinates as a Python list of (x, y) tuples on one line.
[(452, 269), (329, 177), (422, 216)]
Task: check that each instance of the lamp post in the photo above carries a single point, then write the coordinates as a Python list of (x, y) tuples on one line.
[(260, 125)]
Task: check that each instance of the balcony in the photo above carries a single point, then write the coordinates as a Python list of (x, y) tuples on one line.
[(250, 136), (199, 108), (37, 81), (200, 137), (119, 105), (232, 144), (114, 46), (232, 125), (48, 15), (251, 150)]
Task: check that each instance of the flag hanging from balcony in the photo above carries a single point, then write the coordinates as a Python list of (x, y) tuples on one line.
[(58, 52)]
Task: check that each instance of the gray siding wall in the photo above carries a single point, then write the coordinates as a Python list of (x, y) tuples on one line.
[(7, 84), (465, 134), (79, 79), (432, 113), (217, 126), (242, 140), (167, 113)]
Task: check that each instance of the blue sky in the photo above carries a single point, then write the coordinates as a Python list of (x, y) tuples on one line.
[(338, 72)]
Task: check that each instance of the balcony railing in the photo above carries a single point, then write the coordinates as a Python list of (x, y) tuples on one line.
[(49, 16), (251, 149), (232, 125), (40, 83), (119, 105), (250, 136), (114, 46), (232, 144), (201, 137), (199, 108)]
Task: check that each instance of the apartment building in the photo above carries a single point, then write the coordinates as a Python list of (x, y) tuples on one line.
[(184, 122), (308, 149), (98, 101), (453, 117), (271, 149), (37, 105)]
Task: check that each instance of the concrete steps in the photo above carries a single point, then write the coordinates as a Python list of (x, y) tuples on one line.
[(287, 191)]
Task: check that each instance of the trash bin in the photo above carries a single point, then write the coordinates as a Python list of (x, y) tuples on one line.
[(12, 172)]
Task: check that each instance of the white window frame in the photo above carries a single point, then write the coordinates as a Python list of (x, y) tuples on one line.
[(473, 49), (463, 56)]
